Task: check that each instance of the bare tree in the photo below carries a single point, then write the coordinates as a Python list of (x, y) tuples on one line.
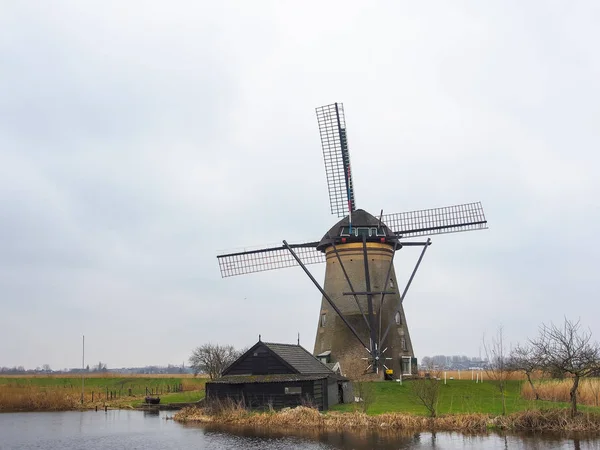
[(568, 350), (525, 359), (426, 390), (212, 359), (497, 369), (364, 392)]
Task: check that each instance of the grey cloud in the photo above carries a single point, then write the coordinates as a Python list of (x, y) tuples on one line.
[(138, 142)]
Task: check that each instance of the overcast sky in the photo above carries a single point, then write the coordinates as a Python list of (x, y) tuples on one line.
[(140, 139)]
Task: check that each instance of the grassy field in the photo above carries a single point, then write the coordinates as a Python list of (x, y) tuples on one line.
[(457, 396), (37, 393)]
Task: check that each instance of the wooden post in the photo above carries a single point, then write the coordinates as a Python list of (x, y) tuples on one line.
[(93, 399)]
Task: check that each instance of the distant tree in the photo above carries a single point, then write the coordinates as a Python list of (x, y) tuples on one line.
[(426, 361), (439, 360), (212, 359), (497, 368), (568, 350), (101, 367), (46, 368), (525, 359)]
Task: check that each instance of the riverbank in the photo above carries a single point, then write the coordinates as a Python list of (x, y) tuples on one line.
[(548, 420), (63, 393)]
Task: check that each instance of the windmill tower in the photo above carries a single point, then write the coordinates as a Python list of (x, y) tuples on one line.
[(361, 318)]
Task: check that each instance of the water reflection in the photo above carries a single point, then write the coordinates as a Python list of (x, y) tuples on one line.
[(398, 440), (150, 430)]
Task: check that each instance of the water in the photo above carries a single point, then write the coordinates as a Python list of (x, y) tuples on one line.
[(141, 430)]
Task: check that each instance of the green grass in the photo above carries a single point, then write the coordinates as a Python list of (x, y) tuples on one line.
[(457, 396), (119, 385)]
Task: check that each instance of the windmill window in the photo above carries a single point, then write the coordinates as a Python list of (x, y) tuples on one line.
[(403, 343), (323, 319), (293, 390), (361, 231), (406, 365), (398, 318), (391, 283)]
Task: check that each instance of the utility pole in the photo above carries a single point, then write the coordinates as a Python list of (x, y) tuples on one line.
[(82, 368)]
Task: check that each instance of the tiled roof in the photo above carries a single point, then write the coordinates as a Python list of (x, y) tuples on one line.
[(299, 359)]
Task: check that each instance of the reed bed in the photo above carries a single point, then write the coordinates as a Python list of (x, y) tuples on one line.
[(306, 418), (106, 375), (53, 393), (588, 392), (31, 398), (472, 374)]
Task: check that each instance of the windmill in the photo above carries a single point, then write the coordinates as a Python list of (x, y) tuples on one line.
[(362, 314)]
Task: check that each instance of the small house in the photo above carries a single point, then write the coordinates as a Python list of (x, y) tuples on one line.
[(278, 376)]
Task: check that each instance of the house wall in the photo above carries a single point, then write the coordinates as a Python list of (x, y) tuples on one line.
[(333, 396), (332, 393), (261, 395)]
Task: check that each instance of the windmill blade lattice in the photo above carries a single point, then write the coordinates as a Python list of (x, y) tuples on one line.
[(268, 259), (426, 222), (334, 140)]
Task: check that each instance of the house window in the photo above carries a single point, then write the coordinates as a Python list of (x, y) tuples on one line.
[(293, 390), (398, 318), (403, 343), (406, 365), (323, 319)]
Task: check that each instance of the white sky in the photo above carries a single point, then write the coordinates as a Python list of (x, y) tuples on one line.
[(140, 139)]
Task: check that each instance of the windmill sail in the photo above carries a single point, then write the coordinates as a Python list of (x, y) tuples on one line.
[(334, 140), (268, 259), (426, 222)]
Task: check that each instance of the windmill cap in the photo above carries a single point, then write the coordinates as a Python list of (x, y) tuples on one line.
[(360, 218)]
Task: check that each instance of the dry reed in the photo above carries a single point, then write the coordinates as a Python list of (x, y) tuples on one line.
[(29, 398), (307, 418), (107, 375), (467, 374), (588, 392)]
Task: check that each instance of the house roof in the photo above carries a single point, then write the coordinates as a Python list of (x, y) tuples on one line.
[(299, 358), (275, 378)]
